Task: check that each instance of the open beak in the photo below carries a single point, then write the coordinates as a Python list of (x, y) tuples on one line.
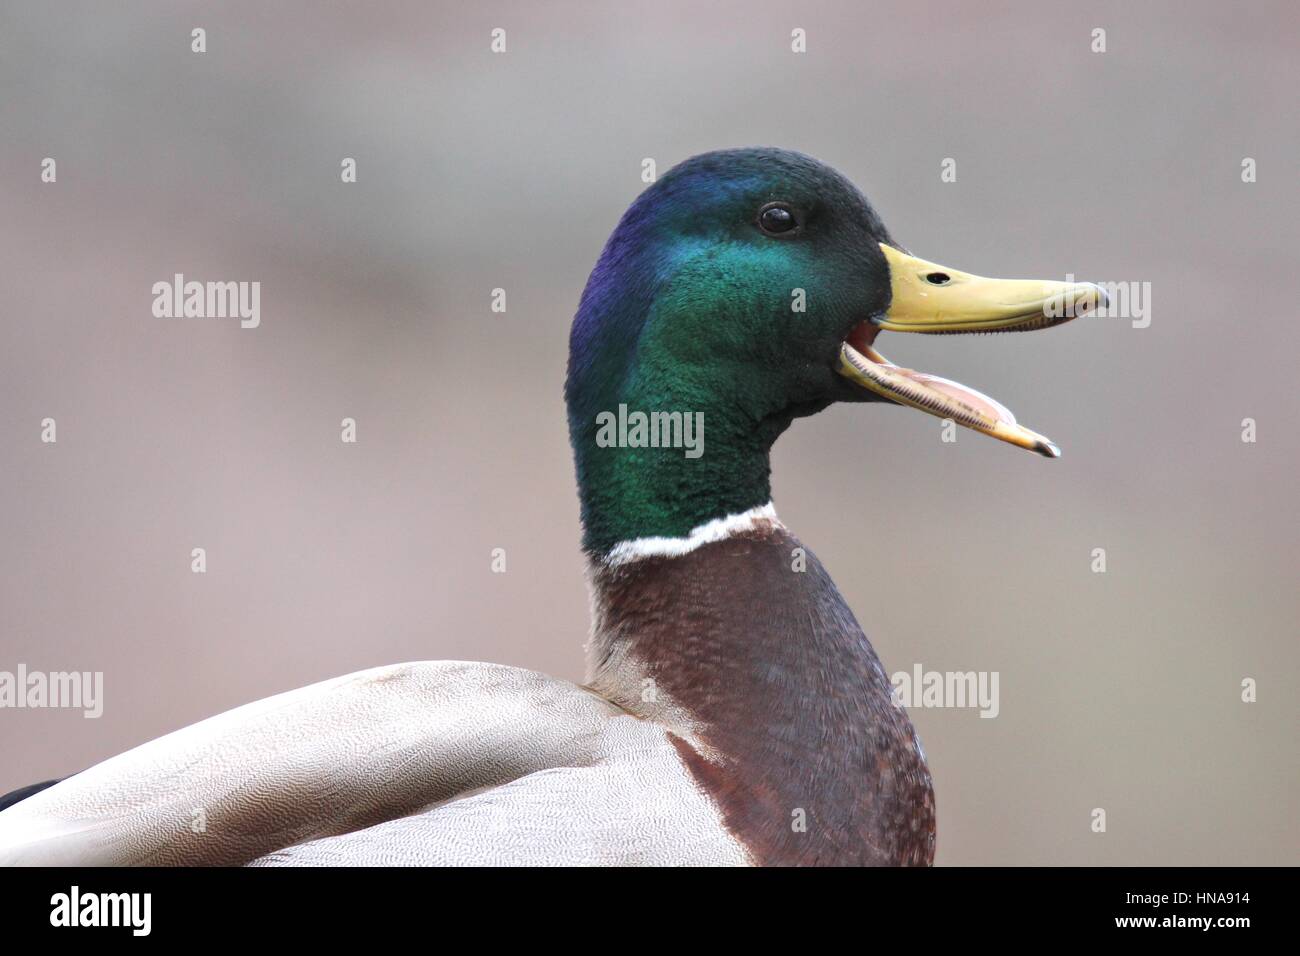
[(931, 298)]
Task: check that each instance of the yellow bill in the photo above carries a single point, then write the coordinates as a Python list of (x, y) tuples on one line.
[(931, 298)]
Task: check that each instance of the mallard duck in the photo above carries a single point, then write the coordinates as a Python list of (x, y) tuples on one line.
[(734, 712)]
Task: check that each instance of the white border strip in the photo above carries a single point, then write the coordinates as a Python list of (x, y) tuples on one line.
[(715, 530)]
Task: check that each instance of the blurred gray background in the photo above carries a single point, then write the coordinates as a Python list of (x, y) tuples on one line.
[(1118, 690)]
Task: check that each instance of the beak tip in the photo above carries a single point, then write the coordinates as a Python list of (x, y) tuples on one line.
[(1099, 295), (1047, 449)]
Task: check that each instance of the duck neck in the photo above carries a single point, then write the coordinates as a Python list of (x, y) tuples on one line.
[(668, 431), (658, 469)]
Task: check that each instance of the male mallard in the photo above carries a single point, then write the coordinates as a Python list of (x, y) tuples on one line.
[(735, 712)]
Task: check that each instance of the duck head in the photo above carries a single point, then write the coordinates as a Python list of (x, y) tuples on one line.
[(744, 289)]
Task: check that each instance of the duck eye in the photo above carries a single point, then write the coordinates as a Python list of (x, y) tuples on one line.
[(938, 278), (777, 219)]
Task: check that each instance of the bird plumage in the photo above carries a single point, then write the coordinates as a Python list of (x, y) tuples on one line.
[(734, 712)]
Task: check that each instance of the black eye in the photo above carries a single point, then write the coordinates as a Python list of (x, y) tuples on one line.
[(938, 278), (777, 219)]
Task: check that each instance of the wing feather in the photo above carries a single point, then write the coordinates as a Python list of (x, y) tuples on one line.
[(327, 759)]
